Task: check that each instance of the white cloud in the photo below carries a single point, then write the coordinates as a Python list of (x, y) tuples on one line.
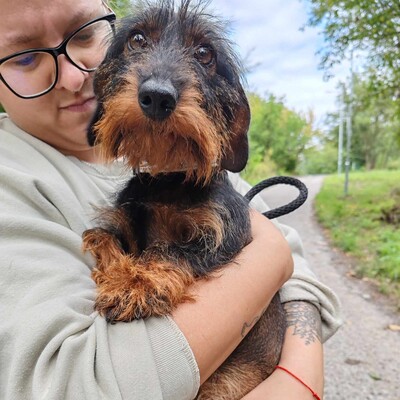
[(288, 64)]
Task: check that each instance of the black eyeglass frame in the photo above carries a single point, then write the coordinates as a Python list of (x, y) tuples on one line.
[(55, 52)]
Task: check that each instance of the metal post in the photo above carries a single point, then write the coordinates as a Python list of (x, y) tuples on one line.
[(349, 128), (341, 128)]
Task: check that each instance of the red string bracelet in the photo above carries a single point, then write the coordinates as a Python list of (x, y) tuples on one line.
[(315, 395)]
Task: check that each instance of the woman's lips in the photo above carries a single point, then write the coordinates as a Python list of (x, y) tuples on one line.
[(83, 105)]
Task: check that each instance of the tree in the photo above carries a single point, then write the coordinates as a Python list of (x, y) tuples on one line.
[(276, 134), (371, 26), (121, 7), (319, 159), (375, 126), (321, 154)]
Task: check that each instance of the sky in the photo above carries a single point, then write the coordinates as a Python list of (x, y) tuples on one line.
[(285, 55)]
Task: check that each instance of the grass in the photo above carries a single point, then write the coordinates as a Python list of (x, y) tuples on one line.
[(355, 223)]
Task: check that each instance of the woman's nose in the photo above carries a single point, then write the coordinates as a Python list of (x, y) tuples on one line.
[(70, 77)]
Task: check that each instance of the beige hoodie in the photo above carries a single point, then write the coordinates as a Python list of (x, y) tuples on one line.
[(52, 344)]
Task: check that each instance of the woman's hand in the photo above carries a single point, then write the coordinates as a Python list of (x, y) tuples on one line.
[(302, 354)]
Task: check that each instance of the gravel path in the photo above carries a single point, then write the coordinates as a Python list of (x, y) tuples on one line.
[(362, 360)]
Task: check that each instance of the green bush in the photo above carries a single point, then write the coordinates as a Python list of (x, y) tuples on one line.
[(319, 161)]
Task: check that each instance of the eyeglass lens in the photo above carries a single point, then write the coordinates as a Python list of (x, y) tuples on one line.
[(87, 47), (34, 73)]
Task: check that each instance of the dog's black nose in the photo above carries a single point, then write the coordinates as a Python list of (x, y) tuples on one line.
[(157, 99)]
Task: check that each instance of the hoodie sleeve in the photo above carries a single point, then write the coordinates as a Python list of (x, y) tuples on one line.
[(52, 344), (303, 285)]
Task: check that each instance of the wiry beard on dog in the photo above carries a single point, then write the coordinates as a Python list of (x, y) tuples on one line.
[(186, 141)]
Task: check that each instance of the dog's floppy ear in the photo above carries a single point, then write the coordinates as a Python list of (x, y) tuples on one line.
[(91, 133), (237, 153)]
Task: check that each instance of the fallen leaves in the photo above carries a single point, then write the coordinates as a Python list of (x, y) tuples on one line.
[(394, 328)]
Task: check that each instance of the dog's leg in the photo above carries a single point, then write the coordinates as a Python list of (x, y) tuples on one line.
[(231, 382), (252, 361), (129, 288)]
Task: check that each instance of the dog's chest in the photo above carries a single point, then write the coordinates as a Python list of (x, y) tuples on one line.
[(179, 218)]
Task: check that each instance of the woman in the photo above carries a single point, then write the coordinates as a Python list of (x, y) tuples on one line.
[(52, 344)]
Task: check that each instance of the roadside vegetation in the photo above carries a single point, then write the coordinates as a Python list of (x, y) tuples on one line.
[(366, 223)]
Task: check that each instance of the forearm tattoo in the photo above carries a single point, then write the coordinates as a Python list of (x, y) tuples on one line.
[(248, 325), (305, 320)]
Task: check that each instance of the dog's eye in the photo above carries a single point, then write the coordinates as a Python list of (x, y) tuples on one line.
[(204, 55), (137, 41)]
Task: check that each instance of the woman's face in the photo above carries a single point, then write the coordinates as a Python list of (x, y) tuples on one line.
[(60, 117)]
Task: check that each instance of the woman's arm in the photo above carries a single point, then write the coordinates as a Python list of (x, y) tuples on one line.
[(302, 355), (213, 324), (303, 285)]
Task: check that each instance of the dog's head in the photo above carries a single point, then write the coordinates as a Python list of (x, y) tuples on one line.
[(169, 93)]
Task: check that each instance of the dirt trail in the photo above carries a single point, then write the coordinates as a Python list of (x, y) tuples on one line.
[(362, 361)]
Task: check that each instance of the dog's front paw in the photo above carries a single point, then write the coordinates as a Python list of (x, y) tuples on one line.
[(129, 290), (103, 245)]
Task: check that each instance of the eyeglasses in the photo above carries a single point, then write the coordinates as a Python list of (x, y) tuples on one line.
[(34, 72)]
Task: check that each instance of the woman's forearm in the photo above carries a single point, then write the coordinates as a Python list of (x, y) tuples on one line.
[(302, 354), (214, 323), (303, 351)]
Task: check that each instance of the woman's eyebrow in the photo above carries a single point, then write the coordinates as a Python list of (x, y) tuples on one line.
[(13, 42), (24, 39), (20, 39)]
